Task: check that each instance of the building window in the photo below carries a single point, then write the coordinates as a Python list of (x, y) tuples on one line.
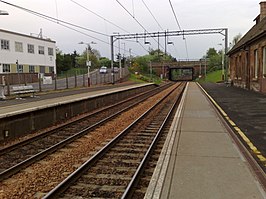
[(31, 69), (42, 69), (6, 68), (264, 62), (50, 51), (51, 69), (256, 64), (18, 46), (4, 44), (41, 50), (20, 68), (30, 48)]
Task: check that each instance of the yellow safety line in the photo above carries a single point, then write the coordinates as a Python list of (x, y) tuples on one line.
[(239, 131)]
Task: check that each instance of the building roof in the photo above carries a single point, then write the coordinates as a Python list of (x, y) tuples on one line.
[(23, 35), (253, 34)]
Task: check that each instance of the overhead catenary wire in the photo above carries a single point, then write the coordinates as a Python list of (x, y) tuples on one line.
[(62, 23), (52, 18), (56, 9), (106, 20), (131, 15), (99, 16), (175, 15), (142, 46), (152, 15), (133, 8), (178, 24), (136, 20)]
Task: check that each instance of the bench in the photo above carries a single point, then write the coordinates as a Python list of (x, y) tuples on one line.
[(19, 90)]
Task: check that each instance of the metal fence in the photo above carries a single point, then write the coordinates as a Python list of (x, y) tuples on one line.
[(49, 83)]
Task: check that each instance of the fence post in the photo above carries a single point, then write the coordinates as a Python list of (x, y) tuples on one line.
[(83, 80), (55, 82), (25, 81), (8, 84), (66, 81), (40, 83), (75, 79)]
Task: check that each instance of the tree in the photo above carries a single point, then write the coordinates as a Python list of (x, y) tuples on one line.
[(211, 52), (105, 62), (81, 60), (73, 59), (215, 59), (59, 61), (236, 39), (67, 62)]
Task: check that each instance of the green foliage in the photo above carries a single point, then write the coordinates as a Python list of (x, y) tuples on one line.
[(81, 60), (72, 72), (215, 59), (214, 77), (75, 62), (105, 62), (141, 63), (144, 78), (64, 62)]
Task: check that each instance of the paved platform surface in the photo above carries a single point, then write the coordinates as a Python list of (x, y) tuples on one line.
[(247, 109), (199, 159), (16, 106)]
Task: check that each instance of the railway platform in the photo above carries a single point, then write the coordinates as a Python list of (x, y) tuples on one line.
[(21, 117), (13, 107), (200, 160)]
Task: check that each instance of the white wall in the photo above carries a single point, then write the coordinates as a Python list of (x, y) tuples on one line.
[(11, 56)]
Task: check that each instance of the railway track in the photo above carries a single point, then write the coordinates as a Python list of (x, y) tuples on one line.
[(115, 170), (20, 155)]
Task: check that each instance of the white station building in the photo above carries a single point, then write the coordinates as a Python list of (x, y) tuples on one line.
[(21, 53)]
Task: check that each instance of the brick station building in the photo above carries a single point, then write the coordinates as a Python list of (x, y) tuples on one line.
[(248, 57)]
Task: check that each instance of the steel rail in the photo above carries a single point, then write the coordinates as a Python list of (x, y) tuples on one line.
[(25, 142), (61, 187), (16, 168), (129, 190)]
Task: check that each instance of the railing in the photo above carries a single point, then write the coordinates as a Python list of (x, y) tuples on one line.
[(64, 82)]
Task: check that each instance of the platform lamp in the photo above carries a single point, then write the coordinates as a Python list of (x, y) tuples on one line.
[(88, 62), (119, 60), (2, 12), (222, 61)]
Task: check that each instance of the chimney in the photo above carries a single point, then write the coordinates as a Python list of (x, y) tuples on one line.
[(262, 10)]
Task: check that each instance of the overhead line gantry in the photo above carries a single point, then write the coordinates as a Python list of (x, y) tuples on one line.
[(222, 31)]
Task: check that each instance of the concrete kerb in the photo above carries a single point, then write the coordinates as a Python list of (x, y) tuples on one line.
[(156, 183)]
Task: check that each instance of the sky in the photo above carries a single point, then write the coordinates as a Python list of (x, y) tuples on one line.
[(108, 17)]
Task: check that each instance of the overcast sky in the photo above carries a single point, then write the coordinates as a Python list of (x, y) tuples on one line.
[(236, 15)]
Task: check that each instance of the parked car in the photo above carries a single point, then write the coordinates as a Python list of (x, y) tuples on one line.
[(103, 70), (116, 70)]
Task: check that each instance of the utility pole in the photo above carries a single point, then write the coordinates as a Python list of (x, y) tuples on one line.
[(205, 70), (130, 57), (225, 56), (112, 59)]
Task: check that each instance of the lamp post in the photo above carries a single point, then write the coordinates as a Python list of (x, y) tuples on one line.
[(2, 12), (88, 62), (119, 58), (150, 72), (120, 69), (222, 61)]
